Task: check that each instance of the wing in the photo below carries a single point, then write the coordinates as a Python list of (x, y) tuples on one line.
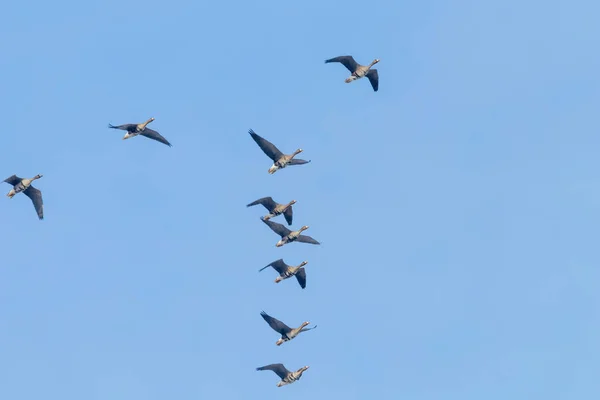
[(36, 197), (306, 239), (279, 369), (373, 78), (125, 127), (301, 277), (297, 161), (347, 61), (276, 324), (278, 266), (13, 180), (152, 134), (277, 228), (268, 202), (289, 215), (267, 147)]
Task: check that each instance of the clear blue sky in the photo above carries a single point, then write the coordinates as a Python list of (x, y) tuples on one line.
[(458, 207)]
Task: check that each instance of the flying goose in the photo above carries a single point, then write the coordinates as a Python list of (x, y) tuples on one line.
[(288, 236), (280, 160), (140, 129), (286, 271), (24, 185), (275, 208), (358, 71), (286, 332), (286, 376)]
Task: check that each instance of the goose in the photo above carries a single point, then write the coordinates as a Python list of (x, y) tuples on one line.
[(286, 332), (358, 71), (140, 129), (280, 160), (286, 376), (288, 236), (24, 185), (286, 271), (275, 208)]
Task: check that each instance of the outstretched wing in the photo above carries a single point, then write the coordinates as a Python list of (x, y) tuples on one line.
[(297, 161), (289, 215), (276, 324), (152, 134), (279, 369), (124, 127), (373, 78), (268, 202), (301, 277), (277, 265), (36, 197), (267, 147), (347, 61), (277, 228), (13, 180), (306, 239)]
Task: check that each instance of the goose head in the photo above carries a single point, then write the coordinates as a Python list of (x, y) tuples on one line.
[(305, 227), (375, 61), (38, 176), (302, 264), (297, 152)]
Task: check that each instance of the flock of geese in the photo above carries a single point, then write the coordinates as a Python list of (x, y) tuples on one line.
[(280, 161)]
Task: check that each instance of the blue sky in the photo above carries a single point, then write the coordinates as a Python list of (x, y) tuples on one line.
[(458, 207)]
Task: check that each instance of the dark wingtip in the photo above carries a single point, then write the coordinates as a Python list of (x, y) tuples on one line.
[(250, 131)]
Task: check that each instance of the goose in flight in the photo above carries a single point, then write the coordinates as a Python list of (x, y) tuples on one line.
[(280, 160), (24, 186), (287, 271), (275, 208), (141, 129), (286, 376), (286, 332), (288, 236), (358, 71)]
